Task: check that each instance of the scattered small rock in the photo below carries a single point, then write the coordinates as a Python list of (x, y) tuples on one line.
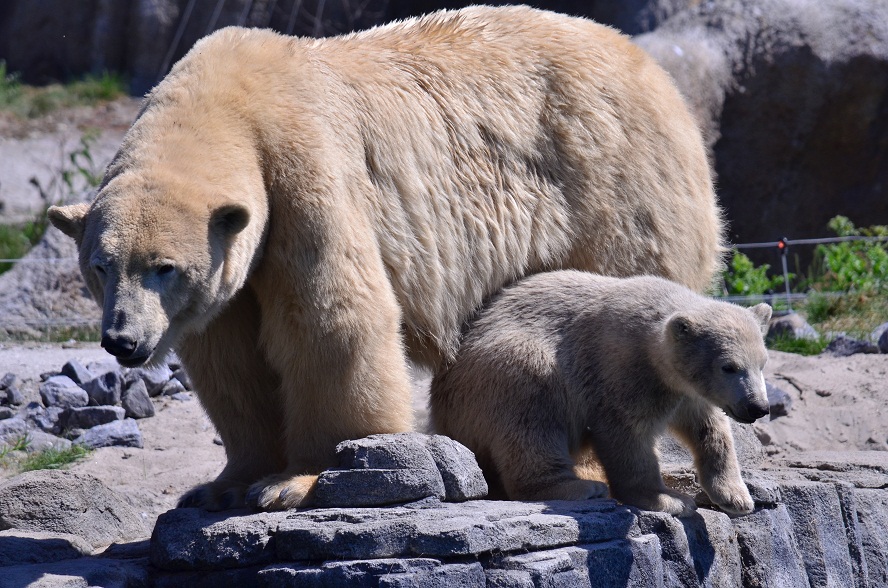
[(14, 396), (791, 325), (843, 346), (182, 396), (883, 342), (154, 378), (779, 400), (136, 402), (171, 388), (87, 417), (823, 393), (183, 377), (105, 389), (41, 441), (8, 380), (123, 433), (47, 420), (75, 370), (6, 413), (61, 391), (11, 429)]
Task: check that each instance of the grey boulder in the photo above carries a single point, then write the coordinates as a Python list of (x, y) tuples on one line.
[(398, 468), (61, 391), (136, 402), (87, 417), (57, 501), (105, 389), (123, 433)]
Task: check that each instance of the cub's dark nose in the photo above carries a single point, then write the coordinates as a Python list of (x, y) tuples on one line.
[(757, 411), (120, 346)]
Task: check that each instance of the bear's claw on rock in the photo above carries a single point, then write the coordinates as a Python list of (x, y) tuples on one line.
[(281, 492)]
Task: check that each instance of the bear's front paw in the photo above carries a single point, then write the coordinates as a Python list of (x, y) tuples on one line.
[(281, 492), (213, 496), (734, 499)]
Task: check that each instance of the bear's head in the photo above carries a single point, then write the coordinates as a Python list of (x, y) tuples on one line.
[(161, 256), (718, 352)]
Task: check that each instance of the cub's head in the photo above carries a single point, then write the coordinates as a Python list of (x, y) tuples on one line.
[(160, 259), (718, 352)]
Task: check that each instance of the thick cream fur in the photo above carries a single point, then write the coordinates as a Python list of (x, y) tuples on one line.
[(565, 370), (391, 180)]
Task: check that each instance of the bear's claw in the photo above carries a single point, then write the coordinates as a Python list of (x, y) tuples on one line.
[(281, 492)]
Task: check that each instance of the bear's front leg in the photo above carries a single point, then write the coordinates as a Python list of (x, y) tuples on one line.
[(239, 391), (633, 471), (332, 332), (707, 433)]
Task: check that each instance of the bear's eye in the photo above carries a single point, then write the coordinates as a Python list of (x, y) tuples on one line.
[(166, 269), (729, 368)]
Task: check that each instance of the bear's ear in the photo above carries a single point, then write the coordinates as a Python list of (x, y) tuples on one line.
[(230, 219), (69, 219), (680, 326), (763, 313)]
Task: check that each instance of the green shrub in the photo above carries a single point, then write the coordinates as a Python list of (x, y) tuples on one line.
[(854, 266), (744, 278)]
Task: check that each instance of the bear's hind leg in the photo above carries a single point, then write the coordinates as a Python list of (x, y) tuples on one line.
[(538, 466), (707, 432), (633, 474)]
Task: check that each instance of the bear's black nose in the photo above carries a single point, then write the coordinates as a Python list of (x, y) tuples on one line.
[(120, 346), (757, 411)]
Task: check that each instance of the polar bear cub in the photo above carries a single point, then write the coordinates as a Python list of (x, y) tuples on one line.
[(568, 366)]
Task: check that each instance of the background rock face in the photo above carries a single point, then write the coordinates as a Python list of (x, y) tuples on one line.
[(793, 99)]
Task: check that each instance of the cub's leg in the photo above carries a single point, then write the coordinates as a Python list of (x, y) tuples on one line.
[(633, 472), (707, 432), (239, 391), (535, 464), (332, 331)]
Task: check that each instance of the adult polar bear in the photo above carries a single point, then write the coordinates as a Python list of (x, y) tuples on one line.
[(296, 217)]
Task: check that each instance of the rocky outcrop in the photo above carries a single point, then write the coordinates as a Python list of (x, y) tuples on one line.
[(794, 102), (819, 521), (68, 503)]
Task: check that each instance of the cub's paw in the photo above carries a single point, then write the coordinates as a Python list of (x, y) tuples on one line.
[(214, 496), (676, 504), (732, 498), (668, 501), (282, 492)]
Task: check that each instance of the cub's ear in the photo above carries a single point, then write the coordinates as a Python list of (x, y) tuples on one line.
[(763, 313), (230, 219), (680, 326), (69, 219)]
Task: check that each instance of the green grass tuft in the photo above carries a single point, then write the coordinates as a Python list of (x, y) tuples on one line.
[(52, 459), (26, 101), (789, 344)]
